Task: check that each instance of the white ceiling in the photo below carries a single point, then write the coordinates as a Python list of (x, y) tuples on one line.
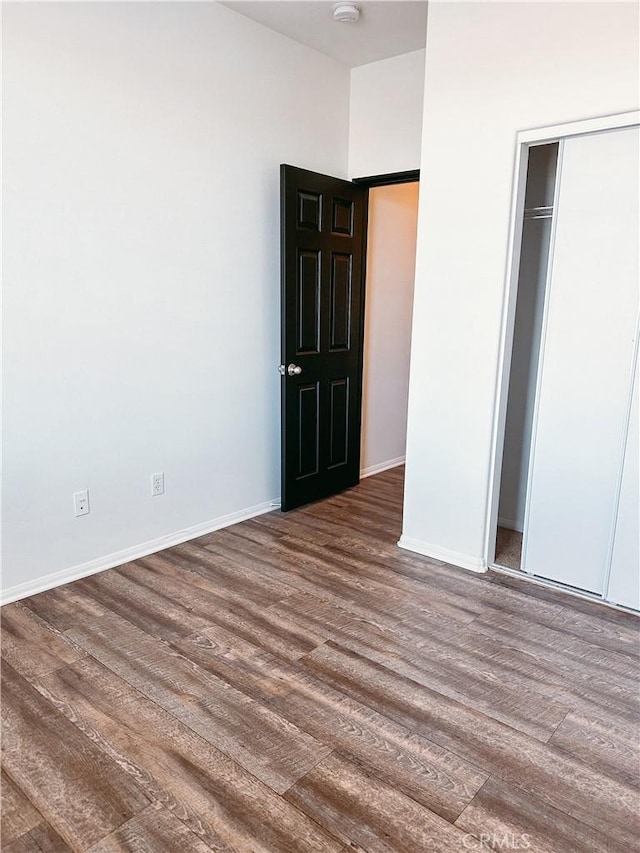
[(386, 27)]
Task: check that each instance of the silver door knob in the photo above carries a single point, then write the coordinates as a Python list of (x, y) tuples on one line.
[(292, 370)]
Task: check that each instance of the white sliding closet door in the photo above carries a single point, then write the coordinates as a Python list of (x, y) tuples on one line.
[(583, 394)]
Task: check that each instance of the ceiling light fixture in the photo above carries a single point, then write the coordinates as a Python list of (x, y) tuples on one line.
[(346, 12)]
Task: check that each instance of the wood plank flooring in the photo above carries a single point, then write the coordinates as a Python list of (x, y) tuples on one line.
[(298, 683)]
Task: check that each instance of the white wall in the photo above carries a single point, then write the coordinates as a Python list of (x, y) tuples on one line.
[(391, 261), (141, 266), (492, 69), (385, 125)]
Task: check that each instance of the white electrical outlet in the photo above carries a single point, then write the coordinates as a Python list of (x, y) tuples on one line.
[(81, 502), (157, 484)]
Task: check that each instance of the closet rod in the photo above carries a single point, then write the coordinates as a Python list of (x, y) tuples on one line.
[(545, 212)]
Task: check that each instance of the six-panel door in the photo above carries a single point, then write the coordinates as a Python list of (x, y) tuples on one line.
[(323, 241)]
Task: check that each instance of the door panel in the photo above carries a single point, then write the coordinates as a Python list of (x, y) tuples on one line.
[(586, 368), (308, 294), (340, 319), (339, 422), (323, 249), (308, 435)]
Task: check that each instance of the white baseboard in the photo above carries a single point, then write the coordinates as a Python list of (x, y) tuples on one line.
[(381, 466), (510, 524), (117, 558), (455, 558)]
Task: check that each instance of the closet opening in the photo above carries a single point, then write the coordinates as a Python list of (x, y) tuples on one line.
[(564, 498), (537, 218)]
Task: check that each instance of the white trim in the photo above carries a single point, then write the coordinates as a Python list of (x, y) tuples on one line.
[(455, 558), (553, 132), (117, 558), (381, 466), (501, 387), (510, 524)]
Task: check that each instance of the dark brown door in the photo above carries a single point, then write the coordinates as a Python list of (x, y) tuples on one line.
[(323, 251)]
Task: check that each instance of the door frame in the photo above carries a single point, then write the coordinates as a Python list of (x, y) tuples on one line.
[(526, 139), (409, 177)]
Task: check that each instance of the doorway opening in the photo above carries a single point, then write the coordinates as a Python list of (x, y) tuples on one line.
[(389, 287), (324, 229)]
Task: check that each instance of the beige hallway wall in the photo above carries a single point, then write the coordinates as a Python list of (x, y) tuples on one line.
[(391, 252)]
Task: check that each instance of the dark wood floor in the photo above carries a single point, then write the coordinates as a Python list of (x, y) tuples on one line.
[(298, 683)]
